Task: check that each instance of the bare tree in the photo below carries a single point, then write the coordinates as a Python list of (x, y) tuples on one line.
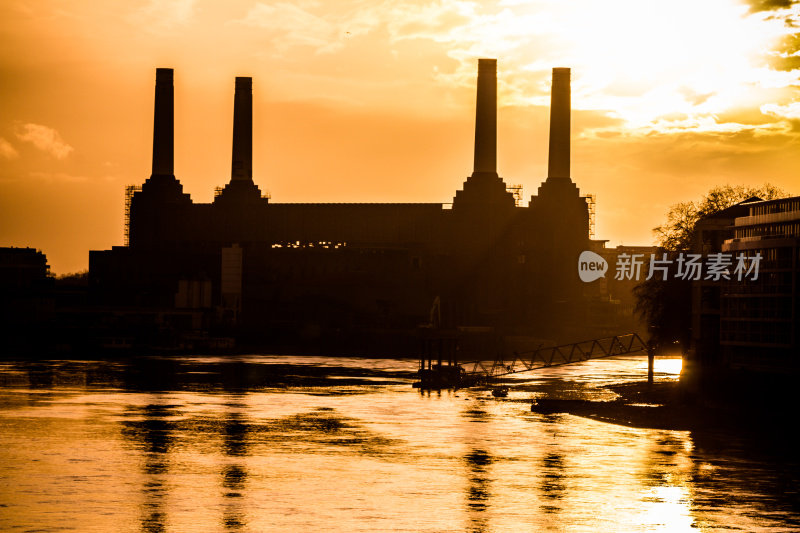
[(677, 233), (665, 305)]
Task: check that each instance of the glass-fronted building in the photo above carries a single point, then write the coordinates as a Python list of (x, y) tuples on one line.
[(759, 315)]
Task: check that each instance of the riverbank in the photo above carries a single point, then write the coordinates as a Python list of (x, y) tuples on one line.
[(667, 405)]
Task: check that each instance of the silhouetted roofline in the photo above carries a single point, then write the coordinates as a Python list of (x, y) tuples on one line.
[(401, 204), (730, 212)]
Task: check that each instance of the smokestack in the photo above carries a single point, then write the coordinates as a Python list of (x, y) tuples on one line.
[(163, 124), (486, 117), (558, 164), (242, 160)]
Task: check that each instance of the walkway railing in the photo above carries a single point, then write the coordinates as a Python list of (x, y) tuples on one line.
[(546, 356)]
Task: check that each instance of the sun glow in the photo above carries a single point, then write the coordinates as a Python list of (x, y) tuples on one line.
[(654, 65)]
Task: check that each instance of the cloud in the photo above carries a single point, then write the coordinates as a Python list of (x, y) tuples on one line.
[(770, 5), (46, 177), (289, 25), (631, 63), (164, 14), (51, 177), (45, 139), (789, 111), (786, 54), (694, 97), (328, 29), (6, 150)]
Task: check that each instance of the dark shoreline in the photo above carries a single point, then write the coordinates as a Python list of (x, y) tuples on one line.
[(667, 405)]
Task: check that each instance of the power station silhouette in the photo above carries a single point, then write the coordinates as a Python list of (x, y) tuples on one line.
[(352, 276)]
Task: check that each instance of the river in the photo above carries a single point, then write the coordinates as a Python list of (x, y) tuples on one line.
[(286, 443)]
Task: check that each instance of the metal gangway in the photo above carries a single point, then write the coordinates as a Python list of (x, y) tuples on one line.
[(547, 356)]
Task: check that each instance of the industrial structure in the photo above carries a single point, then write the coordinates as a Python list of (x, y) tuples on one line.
[(359, 276)]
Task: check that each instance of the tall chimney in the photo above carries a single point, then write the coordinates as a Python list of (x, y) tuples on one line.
[(163, 125), (558, 164), (486, 117), (242, 160)]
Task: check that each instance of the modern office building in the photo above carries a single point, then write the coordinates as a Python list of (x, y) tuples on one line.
[(746, 322), (760, 314)]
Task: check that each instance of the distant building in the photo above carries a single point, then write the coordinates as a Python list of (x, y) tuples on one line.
[(760, 317), (749, 324), (356, 276), (22, 269), (26, 296), (613, 299), (710, 234)]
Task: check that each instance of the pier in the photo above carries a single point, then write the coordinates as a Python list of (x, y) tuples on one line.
[(441, 370)]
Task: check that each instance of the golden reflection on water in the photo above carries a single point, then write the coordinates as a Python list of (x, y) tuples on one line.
[(668, 365), (355, 457)]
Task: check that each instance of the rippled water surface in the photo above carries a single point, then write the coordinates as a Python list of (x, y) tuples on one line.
[(269, 443)]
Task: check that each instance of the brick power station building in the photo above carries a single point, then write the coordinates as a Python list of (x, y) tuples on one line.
[(359, 276)]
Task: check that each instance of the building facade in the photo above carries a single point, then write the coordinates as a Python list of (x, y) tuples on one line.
[(759, 316), (355, 274), (746, 323)]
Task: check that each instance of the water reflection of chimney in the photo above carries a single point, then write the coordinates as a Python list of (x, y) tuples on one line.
[(155, 374), (478, 493), (153, 435), (552, 481), (476, 414), (40, 376), (234, 475)]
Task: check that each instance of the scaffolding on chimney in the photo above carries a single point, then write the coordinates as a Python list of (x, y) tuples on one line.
[(129, 192), (591, 203), (516, 192)]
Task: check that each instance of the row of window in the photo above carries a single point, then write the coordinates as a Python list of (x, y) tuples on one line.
[(774, 258), (767, 283), (777, 229), (756, 332), (782, 206), (776, 308)]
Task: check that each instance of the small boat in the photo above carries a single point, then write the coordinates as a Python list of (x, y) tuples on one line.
[(500, 392)]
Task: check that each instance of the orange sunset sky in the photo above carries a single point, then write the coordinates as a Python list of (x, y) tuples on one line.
[(370, 101)]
